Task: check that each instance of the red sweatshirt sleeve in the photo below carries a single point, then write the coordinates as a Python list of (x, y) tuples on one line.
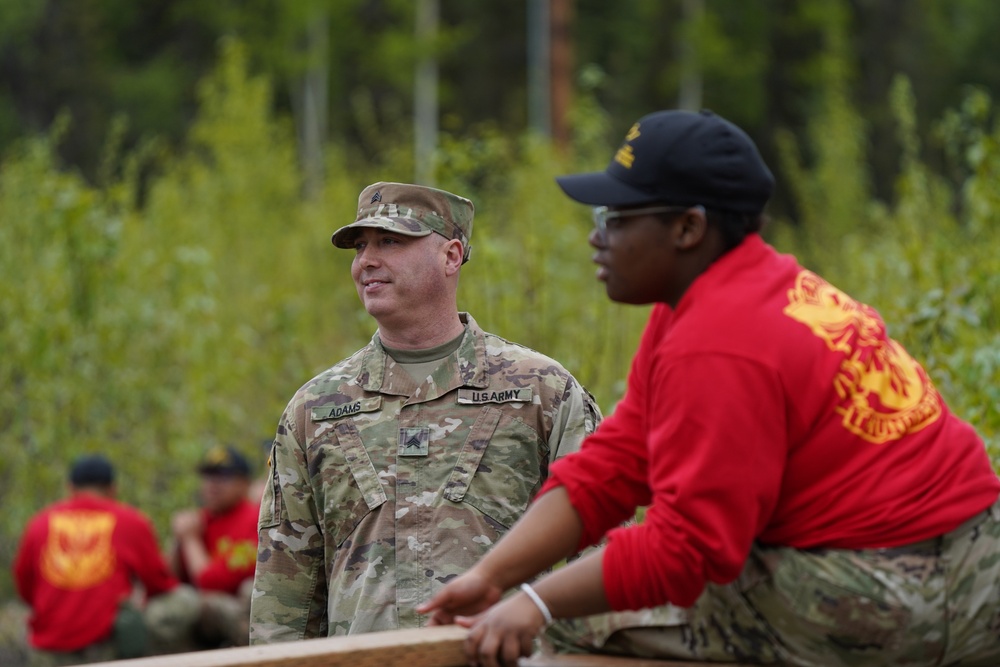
[(607, 479), (717, 447), (24, 562), (148, 563)]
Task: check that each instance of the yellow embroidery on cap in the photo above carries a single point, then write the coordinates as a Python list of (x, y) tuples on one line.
[(625, 157), (633, 133)]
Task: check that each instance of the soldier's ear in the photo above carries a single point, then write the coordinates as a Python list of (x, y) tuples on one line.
[(454, 253)]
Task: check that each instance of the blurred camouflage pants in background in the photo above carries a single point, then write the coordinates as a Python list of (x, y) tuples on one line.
[(192, 620)]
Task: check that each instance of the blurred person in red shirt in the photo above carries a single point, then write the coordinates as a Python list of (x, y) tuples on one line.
[(75, 568), (216, 547)]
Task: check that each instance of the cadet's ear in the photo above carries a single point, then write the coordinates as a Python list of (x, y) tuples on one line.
[(691, 227)]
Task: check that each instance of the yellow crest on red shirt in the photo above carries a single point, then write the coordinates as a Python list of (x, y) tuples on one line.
[(78, 552), (885, 394)]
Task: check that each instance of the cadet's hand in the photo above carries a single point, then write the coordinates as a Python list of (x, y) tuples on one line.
[(186, 523), (503, 633), (465, 595)]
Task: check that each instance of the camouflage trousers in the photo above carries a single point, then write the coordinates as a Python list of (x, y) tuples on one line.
[(192, 620), (100, 652), (932, 603)]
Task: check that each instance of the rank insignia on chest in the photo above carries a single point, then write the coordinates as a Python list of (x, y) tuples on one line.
[(413, 441)]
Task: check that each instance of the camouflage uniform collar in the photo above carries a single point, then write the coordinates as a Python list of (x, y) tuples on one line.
[(468, 365)]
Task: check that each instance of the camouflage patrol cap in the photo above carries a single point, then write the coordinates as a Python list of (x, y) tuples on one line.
[(411, 210)]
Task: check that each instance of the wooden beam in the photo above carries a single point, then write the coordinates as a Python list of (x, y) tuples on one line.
[(422, 647)]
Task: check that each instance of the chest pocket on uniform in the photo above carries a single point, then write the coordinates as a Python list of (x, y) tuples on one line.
[(498, 469), (361, 466), (350, 497)]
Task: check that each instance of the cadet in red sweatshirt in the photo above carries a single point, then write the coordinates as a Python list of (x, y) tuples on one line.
[(811, 499), (76, 564)]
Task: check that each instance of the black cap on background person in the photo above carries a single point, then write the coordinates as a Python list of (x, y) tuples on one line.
[(224, 460), (92, 470)]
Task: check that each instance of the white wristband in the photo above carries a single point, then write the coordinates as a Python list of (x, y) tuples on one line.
[(539, 602)]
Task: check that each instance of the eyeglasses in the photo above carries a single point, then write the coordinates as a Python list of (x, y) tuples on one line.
[(605, 218)]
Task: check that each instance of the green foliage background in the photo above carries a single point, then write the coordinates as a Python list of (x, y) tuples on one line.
[(184, 298)]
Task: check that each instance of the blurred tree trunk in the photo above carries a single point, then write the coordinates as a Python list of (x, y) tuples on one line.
[(550, 68), (888, 39), (690, 64), (425, 92), (561, 16), (309, 102), (539, 68)]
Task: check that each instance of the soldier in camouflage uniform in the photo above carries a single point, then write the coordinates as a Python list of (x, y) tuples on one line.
[(397, 468), (810, 499)]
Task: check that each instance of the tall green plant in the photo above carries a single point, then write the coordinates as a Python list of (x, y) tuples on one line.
[(827, 174)]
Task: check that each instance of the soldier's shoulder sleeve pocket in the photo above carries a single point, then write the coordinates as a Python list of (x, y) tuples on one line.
[(270, 502)]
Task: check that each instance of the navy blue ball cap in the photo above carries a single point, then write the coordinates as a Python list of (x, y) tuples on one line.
[(91, 470), (224, 461), (679, 157)]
